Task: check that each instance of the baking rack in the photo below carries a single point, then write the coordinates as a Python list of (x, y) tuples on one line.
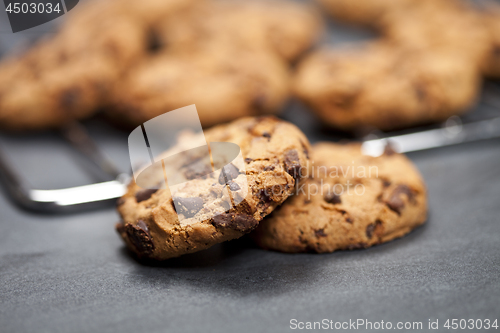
[(455, 130)]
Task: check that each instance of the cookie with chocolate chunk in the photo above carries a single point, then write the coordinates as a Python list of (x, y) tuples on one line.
[(349, 201), (227, 57), (285, 28), (69, 76), (225, 84), (217, 206), (374, 85)]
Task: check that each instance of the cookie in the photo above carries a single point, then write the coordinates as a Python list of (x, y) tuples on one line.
[(446, 25), (69, 76), (349, 201), (259, 25), (227, 57), (224, 83), (192, 216), (376, 85)]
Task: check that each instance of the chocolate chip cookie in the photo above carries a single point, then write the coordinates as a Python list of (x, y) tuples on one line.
[(192, 216), (446, 25), (224, 83), (283, 27), (69, 75), (349, 201), (376, 85), (227, 57)]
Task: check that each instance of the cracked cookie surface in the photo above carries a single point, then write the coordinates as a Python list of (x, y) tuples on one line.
[(349, 201), (273, 152)]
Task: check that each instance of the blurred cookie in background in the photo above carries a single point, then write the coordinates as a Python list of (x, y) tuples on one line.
[(470, 29), (375, 85), (425, 67), (450, 26), (69, 75), (284, 27), (230, 58), (224, 83), (350, 201)]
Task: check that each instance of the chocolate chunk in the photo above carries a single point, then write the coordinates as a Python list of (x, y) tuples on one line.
[(234, 186), (144, 194), (120, 202), (259, 103), (264, 195), (188, 206), (332, 198), (420, 92), (140, 237), (386, 183), (372, 228), (320, 233), (228, 172), (395, 202), (120, 227), (292, 163), (70, 97), (269, 168), (496, 51), (239, 222), (346, 101), (369, 230), (348, 219), (154, 41), (248, 160), (267, 135)]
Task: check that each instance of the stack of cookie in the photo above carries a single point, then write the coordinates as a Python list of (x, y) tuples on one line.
[(321, 199), (137, 61), (426, 66)]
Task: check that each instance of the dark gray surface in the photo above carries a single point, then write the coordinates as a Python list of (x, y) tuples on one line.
[(71, 273)]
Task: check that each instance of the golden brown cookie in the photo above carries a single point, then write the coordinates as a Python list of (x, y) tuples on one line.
[(227, 57), (349, 201), (69, 76), (225, 84), (377, 85), (432, 26), (284, 27), (166, 223)]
